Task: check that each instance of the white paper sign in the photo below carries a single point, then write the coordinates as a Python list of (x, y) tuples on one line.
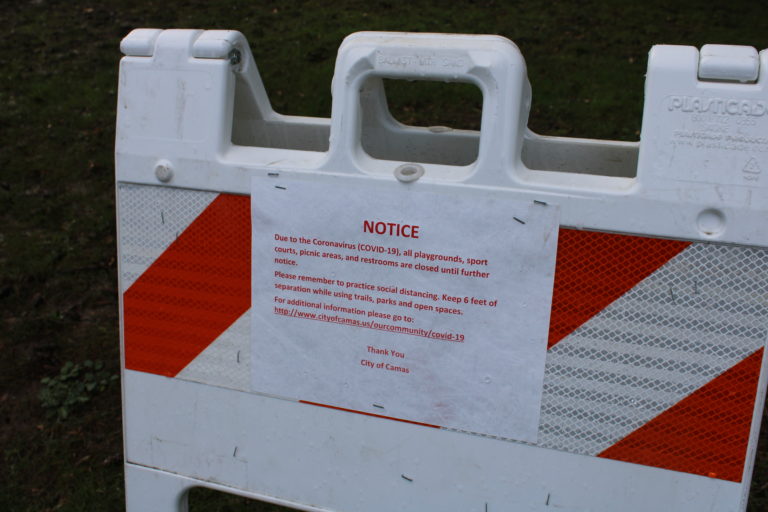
[(395, 301)]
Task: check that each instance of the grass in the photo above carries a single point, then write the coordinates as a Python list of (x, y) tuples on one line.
[(58, 80)]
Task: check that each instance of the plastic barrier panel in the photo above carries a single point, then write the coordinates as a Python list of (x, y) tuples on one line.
[(351, 314)]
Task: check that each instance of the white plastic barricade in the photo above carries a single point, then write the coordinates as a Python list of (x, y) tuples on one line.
[(356, 315)]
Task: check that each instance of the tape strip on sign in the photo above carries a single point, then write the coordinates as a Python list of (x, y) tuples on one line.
[(683, 321)]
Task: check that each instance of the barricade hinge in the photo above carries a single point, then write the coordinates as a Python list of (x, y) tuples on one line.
[(728, 63)]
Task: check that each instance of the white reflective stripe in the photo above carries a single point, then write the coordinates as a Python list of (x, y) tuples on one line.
[(227, 361), (691, 320), (151, 218)]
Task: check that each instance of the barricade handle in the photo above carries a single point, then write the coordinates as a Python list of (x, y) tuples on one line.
[(492, 63)]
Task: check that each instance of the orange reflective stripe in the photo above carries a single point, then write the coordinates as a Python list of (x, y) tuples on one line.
[(594, 269), (193, 292), (706, 433)]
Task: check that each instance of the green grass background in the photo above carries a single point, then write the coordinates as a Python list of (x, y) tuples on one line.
[(58, 82)]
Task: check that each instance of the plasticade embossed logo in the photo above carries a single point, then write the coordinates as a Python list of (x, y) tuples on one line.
[(720, 106)]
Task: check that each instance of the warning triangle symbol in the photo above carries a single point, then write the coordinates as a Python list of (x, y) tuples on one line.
[(752, 167)]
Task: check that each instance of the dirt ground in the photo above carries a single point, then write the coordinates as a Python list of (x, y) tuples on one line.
[(62, 449)]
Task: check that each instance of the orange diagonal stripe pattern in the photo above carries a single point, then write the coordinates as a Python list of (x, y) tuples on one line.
[(706, 433), (594, 269), (193, 292)]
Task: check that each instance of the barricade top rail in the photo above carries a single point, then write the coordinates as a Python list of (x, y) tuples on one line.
[(697, 172)]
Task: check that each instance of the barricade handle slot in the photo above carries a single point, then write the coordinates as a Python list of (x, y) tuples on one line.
[(492, 63)]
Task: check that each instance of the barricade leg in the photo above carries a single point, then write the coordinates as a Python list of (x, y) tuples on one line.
[(150, 490)]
